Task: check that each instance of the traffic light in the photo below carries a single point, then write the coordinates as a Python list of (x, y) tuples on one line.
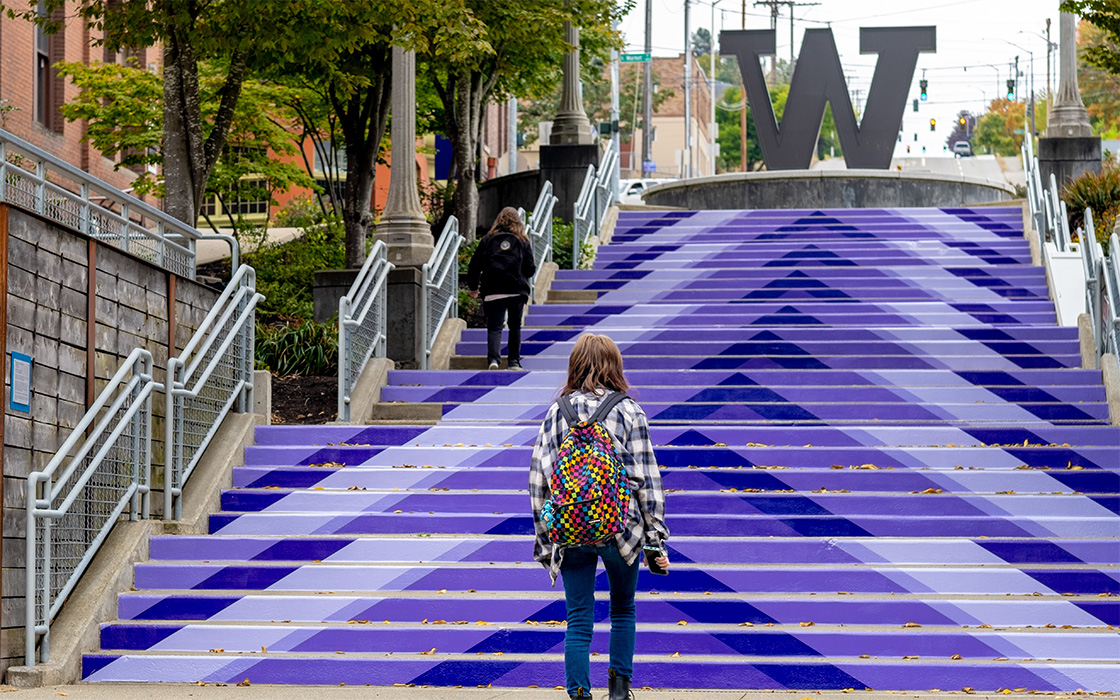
[(915, 104), (923, 84), (933, 125), (962, 121), (1011, 88)]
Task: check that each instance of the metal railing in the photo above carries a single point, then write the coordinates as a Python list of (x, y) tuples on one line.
[(361, 323), (90, 482), (596, 196), (33, 179), (439, 299), (1102, 274), (212, 375), (539, 229)]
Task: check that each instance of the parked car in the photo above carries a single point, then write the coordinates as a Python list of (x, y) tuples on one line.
[(630, 191), (962, 149)]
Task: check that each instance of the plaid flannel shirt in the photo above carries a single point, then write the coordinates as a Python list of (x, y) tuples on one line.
[(629, 428)]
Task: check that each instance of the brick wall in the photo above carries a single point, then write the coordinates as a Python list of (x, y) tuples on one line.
[(48, 275)]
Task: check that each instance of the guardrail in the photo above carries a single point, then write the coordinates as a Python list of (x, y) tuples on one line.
[(596, 196), (361, 323), (439, 299), (1102, 274), (33, 179), (214, 371), (539, 229)]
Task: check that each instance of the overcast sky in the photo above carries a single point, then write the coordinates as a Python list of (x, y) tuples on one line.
[(974, 42)]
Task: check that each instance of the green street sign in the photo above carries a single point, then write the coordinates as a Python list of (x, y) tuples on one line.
[(635, 57)]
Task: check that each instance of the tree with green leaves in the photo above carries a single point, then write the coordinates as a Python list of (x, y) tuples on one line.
[(995, 130), (486, 52), (1104, 14), (123, 109)]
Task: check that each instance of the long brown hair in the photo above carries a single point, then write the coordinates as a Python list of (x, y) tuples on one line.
[(595, 364), (509, 220)]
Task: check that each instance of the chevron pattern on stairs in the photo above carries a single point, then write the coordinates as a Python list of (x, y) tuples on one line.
[(884, 469)]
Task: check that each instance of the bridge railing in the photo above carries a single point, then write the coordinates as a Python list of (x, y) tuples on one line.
[(440, 297), (212, 375), (33, 179), (101, 471), (362, 319)]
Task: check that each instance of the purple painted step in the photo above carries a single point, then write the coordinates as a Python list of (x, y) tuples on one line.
[(830, 609)]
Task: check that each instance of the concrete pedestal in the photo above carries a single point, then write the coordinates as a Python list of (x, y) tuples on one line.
[(330, 286), (566, 167), (1068, 158), (404, 342)]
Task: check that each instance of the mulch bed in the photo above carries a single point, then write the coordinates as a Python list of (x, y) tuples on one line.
[(304, 400)]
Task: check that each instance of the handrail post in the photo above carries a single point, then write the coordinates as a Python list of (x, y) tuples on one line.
[(41, 187)]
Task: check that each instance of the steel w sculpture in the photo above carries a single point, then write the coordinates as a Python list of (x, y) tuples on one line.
[(818, 79)]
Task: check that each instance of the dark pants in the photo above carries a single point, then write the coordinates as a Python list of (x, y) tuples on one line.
[(496, 312)]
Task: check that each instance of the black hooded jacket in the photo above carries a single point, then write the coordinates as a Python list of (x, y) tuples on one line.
[(502, 264)]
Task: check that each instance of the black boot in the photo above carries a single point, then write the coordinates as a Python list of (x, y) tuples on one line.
[(619, 687)]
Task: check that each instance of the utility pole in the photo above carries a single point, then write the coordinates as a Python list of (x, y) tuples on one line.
[(686, 171), (647, 116), (743, 109), (792, 5), (712, 143), (773, 5), (1049, 51), (615, 138)]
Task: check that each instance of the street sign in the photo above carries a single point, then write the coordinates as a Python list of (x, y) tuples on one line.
[(648, 166), (635, 57)]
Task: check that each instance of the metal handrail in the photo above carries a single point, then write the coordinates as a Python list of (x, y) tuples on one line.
[(583, 215), (74, 502), (139, 228), (361, 323), (1102, 274), (539, 230), (439, 300), (214, 371)]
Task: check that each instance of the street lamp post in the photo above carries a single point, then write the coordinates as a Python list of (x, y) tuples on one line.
[(1031, 104)]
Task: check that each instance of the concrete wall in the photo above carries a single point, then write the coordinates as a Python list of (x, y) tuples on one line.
[(826, 188), (48, 317), (517, 190)]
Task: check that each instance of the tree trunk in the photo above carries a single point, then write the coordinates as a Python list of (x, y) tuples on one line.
[(178, 182), (463, 142), (363, 118)]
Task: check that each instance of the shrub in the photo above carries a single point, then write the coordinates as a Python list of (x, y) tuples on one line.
[(466, 251), (285, 271), (298, 348), (562, 234), (1099, 192)]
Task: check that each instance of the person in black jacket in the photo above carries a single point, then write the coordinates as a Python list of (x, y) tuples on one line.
[(500, 270)]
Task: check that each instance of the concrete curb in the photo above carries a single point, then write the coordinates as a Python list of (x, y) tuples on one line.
[(543, 286), (1088, 345), (367, 391), (444, 347), (262, 394), (1032, 236), (1110, 371), (606, 231), (77, 628)]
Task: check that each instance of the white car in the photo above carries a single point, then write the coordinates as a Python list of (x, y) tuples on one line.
[(630, 191)]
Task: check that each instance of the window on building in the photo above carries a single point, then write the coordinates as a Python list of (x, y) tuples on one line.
[(44, 107), (336, 162), (237, 207)]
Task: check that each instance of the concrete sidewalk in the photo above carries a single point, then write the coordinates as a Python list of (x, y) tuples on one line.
[(157, 691)]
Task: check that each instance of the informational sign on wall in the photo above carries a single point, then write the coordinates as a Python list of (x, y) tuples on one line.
[(19, 396)]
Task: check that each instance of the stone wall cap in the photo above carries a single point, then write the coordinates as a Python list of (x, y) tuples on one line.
[(848, 174)]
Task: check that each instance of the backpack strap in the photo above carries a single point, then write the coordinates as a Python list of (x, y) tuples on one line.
[(568, 411), (605, 407)]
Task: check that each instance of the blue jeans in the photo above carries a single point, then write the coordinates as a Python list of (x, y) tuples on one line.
[(578, 572)]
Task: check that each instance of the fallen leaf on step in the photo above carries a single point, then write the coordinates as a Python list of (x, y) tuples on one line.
[(428, 652), (807, 624), (674, 654), (905, 658), (865, 656), (244, 683), (264, 649), (746, 624), (217, 651), (956, 657), (682, 622), (911, 624)]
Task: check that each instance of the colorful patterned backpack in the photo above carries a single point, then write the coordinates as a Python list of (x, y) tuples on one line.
[(589, 489)]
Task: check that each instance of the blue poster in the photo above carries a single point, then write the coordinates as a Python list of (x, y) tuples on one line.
[(19, 394)]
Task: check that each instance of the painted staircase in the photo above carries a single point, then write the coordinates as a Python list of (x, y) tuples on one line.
[(884, 468)]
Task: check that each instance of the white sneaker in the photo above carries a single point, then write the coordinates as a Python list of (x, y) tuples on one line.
[(493, 365)]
